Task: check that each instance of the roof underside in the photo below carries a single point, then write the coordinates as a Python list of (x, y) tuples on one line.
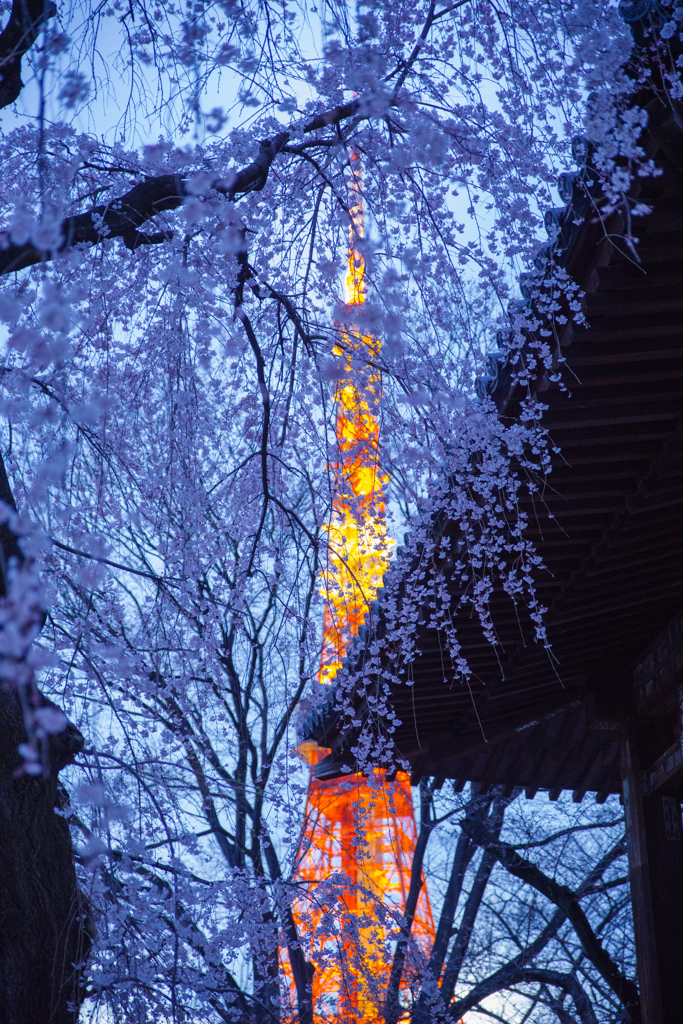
[(610, 535), (608, 529)]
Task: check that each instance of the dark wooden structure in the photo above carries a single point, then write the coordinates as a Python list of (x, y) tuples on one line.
[(603, 715)]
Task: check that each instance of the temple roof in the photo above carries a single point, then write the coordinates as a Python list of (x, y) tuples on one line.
[(609, 528)]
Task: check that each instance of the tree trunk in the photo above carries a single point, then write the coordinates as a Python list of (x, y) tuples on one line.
[(44, 922), (44, 934)]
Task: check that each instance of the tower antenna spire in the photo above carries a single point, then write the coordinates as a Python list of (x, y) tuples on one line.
[(360, 831)]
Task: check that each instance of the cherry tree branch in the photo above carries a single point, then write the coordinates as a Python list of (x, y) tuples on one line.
[(502, 978), (113, 565), (405, 67), (265, 395), (464, 852), (302, 970), (125, 216), (18, 36)]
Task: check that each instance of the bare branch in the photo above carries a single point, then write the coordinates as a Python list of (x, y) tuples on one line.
[(393, 1007), (566, 901), (520, 975)]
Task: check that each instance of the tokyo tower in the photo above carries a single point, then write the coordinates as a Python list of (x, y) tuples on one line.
[(355, 853)]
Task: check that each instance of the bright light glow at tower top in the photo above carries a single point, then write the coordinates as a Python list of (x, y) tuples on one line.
[(359, 548)]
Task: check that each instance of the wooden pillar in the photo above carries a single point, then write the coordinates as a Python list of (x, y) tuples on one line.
[(655, 853)]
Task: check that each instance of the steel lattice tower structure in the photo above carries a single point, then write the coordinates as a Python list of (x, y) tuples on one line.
[(356, 849)]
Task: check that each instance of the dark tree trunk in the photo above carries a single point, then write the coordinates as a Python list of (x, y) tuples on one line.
[(44, 922), (43, 915)]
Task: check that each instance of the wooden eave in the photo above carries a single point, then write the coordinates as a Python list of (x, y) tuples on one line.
[(609, 528)]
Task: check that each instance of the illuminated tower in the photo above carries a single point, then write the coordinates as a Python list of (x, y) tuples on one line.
[(355, 854)]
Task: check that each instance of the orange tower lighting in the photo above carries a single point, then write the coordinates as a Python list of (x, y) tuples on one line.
[(359, 834)]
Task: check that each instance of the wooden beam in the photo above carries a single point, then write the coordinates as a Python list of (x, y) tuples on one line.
[(624, 276), (665, 412), (655, 849), (641, 895), (603, 304), (666, 769), (660, 669)]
